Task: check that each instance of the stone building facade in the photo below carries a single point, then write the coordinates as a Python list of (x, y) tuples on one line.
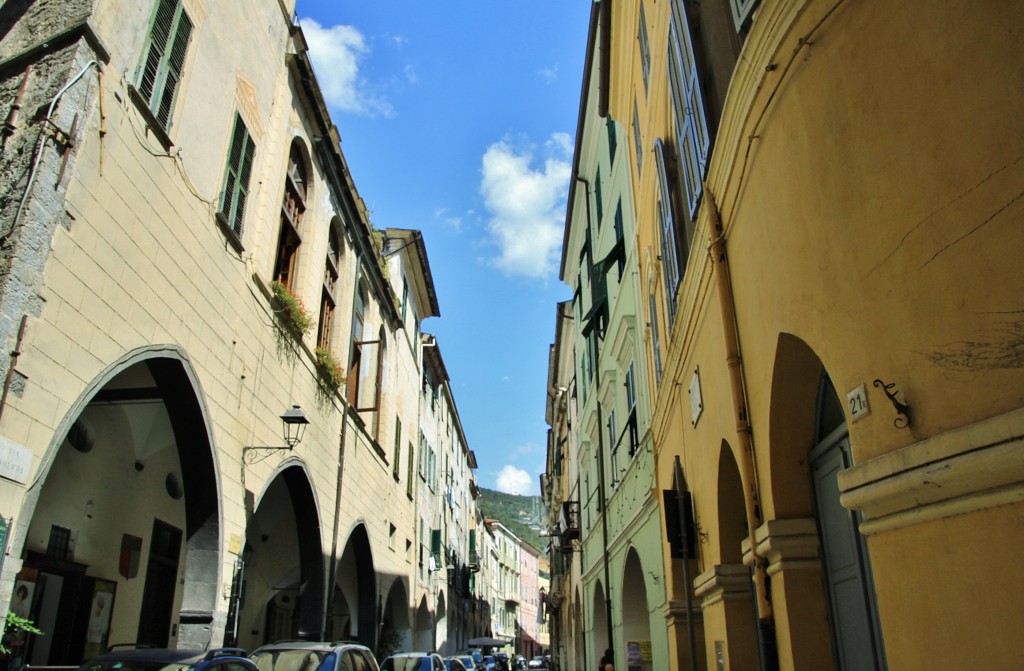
[(188, 269)]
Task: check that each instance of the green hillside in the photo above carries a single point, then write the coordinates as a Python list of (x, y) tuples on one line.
[(522, 515)]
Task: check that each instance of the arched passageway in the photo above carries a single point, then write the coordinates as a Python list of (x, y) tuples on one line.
[(423, 636), (636, 616), (357, 581), (396, 630), (282, 594), (829, 602), (101, 563), (599, 623), (728, 601)]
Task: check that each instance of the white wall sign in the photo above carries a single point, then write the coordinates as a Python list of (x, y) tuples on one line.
[(15, 461), (857, 403)]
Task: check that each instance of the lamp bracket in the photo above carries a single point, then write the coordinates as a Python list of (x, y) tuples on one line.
[(250, 453)]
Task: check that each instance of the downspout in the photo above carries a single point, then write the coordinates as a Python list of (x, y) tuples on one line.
[(328, 619), (13, 362), (600, 449), (768, 651)]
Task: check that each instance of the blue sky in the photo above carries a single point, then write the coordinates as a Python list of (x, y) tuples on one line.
[(457, 118)]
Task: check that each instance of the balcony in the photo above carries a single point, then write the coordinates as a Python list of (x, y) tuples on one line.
[(569, 520)]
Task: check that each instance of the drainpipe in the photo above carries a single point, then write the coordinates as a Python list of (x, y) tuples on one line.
[(47, 121), (768, 652), (328, 619), (14, 362)]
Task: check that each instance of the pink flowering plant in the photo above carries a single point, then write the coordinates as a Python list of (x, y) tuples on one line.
[(330, 368), (295, 311)]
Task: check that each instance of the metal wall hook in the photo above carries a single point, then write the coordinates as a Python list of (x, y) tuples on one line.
[(902, 420)]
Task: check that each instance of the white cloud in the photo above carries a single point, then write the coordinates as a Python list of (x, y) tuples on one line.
[(549, 75), (526, 205), (337, 53), (512, 480)]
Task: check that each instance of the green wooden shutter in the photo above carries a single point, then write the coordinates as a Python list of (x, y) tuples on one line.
[(175, 64), (236, 178), (159, 35), (165, 58)]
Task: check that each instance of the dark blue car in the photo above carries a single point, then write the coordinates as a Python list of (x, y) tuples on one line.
[(119, 658)]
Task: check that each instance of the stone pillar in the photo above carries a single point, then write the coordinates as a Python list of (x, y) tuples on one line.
[(727, 602), (802, 634)]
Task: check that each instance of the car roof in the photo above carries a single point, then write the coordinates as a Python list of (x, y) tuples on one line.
[(165, 655), (309, 645)]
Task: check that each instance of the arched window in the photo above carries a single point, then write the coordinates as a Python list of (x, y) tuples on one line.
[(293, 208)]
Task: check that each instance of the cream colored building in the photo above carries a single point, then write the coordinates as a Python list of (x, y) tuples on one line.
[(827, 198), (173, 182)]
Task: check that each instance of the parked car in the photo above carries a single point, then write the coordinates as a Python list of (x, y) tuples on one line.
[(413, 661), (456, 664), (314, 656), (537, 663), (469, 661), (120, 657)]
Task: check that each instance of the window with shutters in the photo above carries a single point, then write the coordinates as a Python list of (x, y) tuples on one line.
[(652, 308), (327, 293), (645, 47), (637, 140), (620, 239), (293, 209), (693, 141), (598, 199), (612, 140), (235, 193), (408, 476), (164, 59), (670, 239), (396, 460)]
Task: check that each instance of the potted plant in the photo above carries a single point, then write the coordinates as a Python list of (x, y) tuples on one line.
[(292, 310), (331, 371)]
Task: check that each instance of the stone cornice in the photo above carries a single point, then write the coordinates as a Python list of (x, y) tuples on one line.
[(966, 469)]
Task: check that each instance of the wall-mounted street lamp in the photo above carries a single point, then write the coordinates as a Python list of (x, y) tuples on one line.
[(293, 423)]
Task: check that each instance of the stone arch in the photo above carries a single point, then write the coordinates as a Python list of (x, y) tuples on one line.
[(284, 561), (441, 624), (794, 394), (396, 627), (599, 624), (424, 626), (636, 615), (142, 422), (357, 580), (726, 597)]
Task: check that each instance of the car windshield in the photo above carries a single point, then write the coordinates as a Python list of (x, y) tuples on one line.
[(292, 660), (133, 665)]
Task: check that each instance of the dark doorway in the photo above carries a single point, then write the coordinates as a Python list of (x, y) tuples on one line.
[(846, 569), (161, 580)]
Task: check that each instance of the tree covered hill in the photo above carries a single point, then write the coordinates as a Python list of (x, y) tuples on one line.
[(522, 515)]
